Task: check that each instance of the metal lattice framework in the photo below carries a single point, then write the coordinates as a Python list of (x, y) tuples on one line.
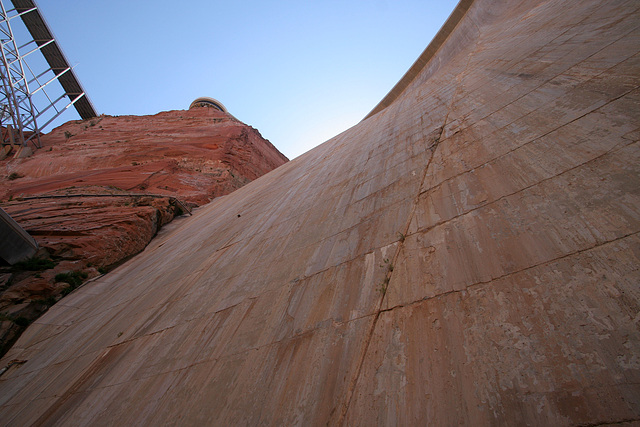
[(26, 98)]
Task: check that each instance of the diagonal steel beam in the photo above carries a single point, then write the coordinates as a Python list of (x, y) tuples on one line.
[(54, 56)]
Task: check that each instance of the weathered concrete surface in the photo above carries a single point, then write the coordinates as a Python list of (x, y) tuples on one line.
[(468, 255)]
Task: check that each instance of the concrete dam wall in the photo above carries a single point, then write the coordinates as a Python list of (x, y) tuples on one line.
[(466, 255)]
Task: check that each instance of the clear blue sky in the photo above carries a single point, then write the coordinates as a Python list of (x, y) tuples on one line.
[(299, 71)]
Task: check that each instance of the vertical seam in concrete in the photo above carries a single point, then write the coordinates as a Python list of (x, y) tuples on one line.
[(389, 272), (379, 310)]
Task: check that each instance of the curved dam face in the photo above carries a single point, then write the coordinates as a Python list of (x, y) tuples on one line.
[(466, 255)]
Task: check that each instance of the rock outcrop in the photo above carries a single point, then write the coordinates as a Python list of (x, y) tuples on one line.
[(197, 155), (467, 255), (99, 190)]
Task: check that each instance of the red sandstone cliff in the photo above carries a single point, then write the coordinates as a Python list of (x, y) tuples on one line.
[(99, 190), (197, 155)]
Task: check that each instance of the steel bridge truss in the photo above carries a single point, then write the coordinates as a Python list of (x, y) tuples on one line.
[(26, 95)]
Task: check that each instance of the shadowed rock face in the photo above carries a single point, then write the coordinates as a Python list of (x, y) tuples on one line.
[(468, 255)]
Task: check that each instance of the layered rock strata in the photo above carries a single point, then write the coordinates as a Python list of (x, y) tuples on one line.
[(466, 256), (197, 155)]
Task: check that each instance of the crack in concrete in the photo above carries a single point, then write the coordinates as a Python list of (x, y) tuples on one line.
[(485, 282), (559, 74), (486, 204), (534, 140), (432, 147)]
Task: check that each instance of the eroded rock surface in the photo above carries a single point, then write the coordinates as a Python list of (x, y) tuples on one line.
[(197, 155)]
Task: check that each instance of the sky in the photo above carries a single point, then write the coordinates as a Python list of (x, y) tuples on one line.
[(300, 72)]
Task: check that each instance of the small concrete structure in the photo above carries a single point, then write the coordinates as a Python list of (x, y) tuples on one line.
[(205, 101), (15, 244)]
